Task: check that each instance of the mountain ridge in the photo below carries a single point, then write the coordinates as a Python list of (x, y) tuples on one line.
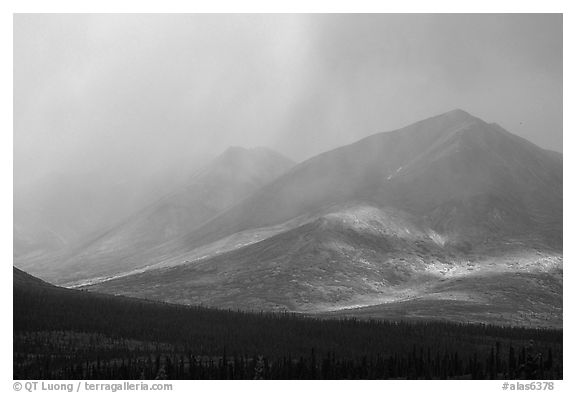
[(340, 229), (320, 184)]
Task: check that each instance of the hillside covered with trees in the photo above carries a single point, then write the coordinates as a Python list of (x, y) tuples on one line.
[(69, 334)]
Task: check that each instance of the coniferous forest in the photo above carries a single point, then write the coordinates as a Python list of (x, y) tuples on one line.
[(69, 334)]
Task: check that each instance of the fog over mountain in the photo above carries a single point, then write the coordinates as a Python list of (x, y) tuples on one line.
[(288, 196), (227, 180), (381, 165), (112, 112), (442, 212)]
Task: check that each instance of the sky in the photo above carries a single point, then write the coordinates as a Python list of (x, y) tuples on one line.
[(108, 99)]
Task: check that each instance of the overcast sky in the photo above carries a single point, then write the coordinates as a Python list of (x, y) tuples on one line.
[(124, 95)]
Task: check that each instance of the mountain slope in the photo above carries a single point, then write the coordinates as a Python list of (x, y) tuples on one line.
[(335, 258), (359, 255), (396, 216), (471, 181), (23, 280), (66, 208), (440, 165), (231, 177)]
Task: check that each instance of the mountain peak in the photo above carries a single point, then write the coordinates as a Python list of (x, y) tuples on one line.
[(237, 153), (458, 115), (233, 150), (458, 112)]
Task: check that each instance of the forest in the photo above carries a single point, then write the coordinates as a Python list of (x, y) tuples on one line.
[(70, 334)]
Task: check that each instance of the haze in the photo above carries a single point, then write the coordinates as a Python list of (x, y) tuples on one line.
[(106, 106)]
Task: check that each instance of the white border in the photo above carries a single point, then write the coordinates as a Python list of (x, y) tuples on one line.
[(181, 6)]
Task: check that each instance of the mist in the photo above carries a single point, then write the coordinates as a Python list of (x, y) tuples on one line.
[(112, 111)]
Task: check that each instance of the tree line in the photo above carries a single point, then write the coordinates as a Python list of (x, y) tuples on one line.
[(66, 334)]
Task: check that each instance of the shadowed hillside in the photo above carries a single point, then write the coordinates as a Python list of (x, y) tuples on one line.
[(68, 334)]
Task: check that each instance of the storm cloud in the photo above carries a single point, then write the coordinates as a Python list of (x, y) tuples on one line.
[(124, 98)]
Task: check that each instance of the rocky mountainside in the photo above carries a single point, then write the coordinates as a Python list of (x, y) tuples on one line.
[(470, 180), (423, 212)]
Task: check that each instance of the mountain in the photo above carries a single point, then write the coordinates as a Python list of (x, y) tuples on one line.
[(364, 256), (420, 213), (449, 170), (232, 176)]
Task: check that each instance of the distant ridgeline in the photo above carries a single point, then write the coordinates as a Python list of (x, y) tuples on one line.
[(68, 334)]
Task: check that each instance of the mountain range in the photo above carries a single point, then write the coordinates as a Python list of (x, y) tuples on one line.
[(451, 213)]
